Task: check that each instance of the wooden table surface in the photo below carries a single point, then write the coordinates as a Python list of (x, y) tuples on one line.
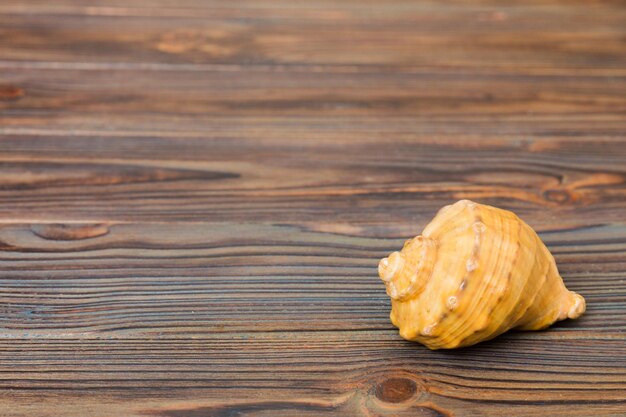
[(194, 196)]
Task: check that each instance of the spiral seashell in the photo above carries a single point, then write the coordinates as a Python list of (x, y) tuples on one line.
[(474, 273)]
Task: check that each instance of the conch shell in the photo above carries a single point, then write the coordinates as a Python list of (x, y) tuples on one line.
[(474, 273)]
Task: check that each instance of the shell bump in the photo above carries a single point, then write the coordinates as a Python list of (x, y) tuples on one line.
[(475, 272)]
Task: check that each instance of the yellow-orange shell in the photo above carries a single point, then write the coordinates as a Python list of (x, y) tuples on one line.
[(474, 273)]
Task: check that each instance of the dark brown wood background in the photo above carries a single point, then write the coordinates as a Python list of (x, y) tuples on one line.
[(194, 196)]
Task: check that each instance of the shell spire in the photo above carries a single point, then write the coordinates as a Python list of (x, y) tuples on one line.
[(474, 273)]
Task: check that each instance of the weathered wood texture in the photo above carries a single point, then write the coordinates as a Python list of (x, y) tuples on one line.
[(194, 196)]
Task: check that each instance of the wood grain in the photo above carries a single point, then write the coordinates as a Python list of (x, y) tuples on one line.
[(394, 187), (134, 278), (588, 34), (194, 196)]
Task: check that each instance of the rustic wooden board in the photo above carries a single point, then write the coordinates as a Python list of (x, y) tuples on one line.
[(194, 196)]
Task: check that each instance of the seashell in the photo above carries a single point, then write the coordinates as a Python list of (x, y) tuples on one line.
[(474, 273)]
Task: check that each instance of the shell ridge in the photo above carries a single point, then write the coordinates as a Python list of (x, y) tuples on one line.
[(501, 327), (477, 309), (540, 322), (471, 264)]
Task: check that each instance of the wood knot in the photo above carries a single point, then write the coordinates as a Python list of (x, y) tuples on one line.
[(557, 196), (216, 42), (396, 390), (10, 92), (69, 231)]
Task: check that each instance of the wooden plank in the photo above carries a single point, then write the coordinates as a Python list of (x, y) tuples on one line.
[(300, 92), (394, 186), (402, 33), (183, 280), (356, 373)]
